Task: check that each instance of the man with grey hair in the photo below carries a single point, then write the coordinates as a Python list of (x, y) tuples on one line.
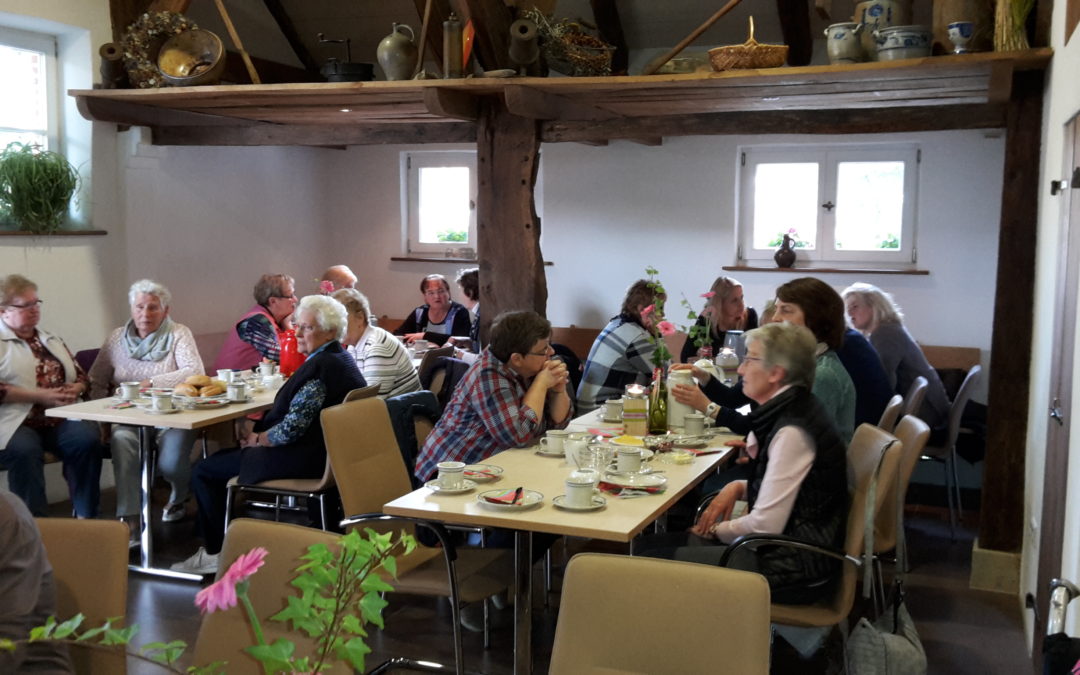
[(798, 474), (340, 276)]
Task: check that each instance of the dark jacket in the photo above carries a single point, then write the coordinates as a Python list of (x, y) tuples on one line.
[(403, 410), (872, 390), (457, 317)]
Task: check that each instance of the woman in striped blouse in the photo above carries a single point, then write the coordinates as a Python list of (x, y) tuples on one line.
[(380, 356)]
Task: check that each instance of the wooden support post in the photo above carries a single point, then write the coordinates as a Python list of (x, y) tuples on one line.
[(288, 29), (1001, 525), (508, 229), (606, 15), (491, 19), (252, 73), (795, 24)]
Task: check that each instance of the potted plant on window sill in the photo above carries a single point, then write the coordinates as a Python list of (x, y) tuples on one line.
[(36, 187)]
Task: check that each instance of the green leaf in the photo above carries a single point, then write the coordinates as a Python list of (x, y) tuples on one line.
[(373, 583), (164, 652), (355, 651), (390, 565), (352, 624), (68, 627), (94, 632), (214, 668), (274, 657), (371, 607), (7, 645)]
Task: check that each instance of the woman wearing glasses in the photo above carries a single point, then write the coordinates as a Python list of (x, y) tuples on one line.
[(37, 372), (257, 336), (438, 318)]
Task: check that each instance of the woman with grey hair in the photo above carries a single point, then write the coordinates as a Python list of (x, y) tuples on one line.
[(257, 336), (875, 314), (381, 357), (798, 474), (155, 351), (288, 441)]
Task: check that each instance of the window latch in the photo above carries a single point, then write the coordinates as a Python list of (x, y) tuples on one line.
[(828, 206)]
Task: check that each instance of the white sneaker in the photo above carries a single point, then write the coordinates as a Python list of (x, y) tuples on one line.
[(200, 563), (174, 512)]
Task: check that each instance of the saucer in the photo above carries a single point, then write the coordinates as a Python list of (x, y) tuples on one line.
[(434, 486), (635, 480), (691, 442), (483, 473), (151, 411), (140, 401), (249, 399), (529, 499), (598, 502), (544, 452), (611, 420)]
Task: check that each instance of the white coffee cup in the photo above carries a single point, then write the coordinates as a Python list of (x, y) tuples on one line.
[(628, 460), (555, 440), (236, 390), (266, 368), (613, 409), (421, 345), (129, 390), (273, 381), (579, 489), (225, 375), (451, 475), (162, 402), (694, 424)]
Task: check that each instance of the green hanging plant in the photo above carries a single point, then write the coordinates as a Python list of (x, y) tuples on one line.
[(36, 187)]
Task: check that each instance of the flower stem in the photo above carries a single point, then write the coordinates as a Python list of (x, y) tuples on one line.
[(253, 619)]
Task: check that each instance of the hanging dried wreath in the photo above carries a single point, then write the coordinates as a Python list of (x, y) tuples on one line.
[(143, 41)]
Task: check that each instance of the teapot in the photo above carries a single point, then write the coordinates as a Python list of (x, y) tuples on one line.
[(397, 54)]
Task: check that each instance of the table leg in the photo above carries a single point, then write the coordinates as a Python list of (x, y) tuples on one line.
[(522, 602), (146, 543)]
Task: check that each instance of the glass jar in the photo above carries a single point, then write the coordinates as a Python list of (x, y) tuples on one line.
[(675, 410), (658, 422), (635, 410), (728, 363)]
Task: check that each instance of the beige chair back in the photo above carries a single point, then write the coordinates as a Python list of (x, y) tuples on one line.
[(362, 392), (891, 413), (956, 412), (707, 619), (90, 566), (913, 433), (913, 400), (224, 634), (864, 462)]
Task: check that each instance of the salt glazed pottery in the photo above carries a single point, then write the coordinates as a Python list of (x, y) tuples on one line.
[(842, 43), (397, 53), (877, 14), (903, 42)]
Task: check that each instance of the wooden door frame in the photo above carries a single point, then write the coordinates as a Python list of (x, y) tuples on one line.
[(1056, 466)]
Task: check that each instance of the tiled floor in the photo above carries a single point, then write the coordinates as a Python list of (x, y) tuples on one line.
[(963, 631)]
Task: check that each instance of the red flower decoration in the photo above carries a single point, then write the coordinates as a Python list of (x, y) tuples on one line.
[(327, 287), (708, 294), (666, 328), (222, 593)]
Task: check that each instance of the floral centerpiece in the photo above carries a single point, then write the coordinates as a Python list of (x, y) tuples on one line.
[(655, 323), (340, 593)]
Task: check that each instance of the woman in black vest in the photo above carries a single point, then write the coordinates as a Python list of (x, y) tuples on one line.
[(798, 480), (288, 441)]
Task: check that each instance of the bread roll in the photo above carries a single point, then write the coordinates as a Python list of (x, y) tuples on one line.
[(186, 390), (216, 383), (212, 390), (198, 380)]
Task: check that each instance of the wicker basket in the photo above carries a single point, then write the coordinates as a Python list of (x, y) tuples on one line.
[(750, 54), (568, 49)]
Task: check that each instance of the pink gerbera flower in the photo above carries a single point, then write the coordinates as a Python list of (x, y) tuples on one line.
[(665, 328), (327, 287), (708, 294), (222, 593), (647, 311)]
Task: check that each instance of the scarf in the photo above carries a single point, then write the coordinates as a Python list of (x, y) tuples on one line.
[(154, 347)]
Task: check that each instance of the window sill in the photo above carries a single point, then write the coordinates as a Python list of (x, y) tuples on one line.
[(825, 270), (58, 233), (443, 259)]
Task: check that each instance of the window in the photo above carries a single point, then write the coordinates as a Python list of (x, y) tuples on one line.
[(439, 201), (838, 204), (28, 88)]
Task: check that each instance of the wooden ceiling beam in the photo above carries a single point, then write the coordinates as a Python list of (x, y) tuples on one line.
[(491, 19), (855, 121), (122, 112), (440, 11), (606, 15), (450, 103), (535, 104), (288, 29), (316, 135), (795, 25)]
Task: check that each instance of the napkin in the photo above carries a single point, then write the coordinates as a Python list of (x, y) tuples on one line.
[(606, 433), (480, 474), (122, 406), (705, 451), (505, 497), (620, 491)]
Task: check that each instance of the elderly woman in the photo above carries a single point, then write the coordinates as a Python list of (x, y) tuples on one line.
[(257, 336), (381, 357), (438, 318), (156, 351), (622, 352), (724, 311), (874, 313), (288, 441), (798, 478), (38, 372)]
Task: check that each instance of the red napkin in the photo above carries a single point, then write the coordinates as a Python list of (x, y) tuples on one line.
[(481, 474), (122, 406), (606, 433), (613, 489), (505, 497), (705, 451)]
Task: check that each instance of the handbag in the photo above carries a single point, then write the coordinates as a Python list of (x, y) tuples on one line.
[(889, 645)]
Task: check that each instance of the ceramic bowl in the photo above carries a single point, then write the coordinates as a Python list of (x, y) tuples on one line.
[(903, 42), (191, 58)]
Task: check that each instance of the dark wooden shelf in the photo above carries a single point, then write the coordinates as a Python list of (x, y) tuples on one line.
[(433, 259), (58, 233), (824, 270)]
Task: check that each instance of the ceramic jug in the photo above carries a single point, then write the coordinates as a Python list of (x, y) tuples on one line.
[(877, 14), (842, 43), (785, 255), (397, 53)]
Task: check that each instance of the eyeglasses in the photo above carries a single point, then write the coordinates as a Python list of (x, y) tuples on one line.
[(305, 328), (285, 297), (30, 305), (753, 358), (433, 294), (548, 350)]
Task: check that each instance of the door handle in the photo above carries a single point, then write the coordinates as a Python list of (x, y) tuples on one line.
[(1055, 412)]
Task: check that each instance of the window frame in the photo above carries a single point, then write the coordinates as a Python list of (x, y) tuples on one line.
[(45, 44), (412, 161), (828, 157)]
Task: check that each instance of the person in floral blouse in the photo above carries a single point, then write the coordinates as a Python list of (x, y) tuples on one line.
[(37, 372)]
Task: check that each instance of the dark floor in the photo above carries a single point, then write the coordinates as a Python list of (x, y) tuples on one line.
[(963, 631)]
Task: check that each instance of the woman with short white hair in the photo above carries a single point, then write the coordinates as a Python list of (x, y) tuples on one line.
[(152, 349), (380, 356)]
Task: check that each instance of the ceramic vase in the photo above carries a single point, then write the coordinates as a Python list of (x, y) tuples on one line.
[(397, 53), (785, 255), (877, 14), (960, 33), (842, 43)]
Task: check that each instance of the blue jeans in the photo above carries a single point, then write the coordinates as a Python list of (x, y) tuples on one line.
[(77, 443)]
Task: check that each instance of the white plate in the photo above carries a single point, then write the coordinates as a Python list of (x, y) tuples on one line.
[(645, 468), (134, 401), (529, 499), (434, 486), (205, 405), (635, 480), (646, 454), (598, 502), (544, 452), (151, 411), (691, 443), (476, 472), (200, 399), (249, 399), (611, 420)]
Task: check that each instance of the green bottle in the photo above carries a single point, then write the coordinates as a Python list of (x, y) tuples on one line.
[(658, 403)]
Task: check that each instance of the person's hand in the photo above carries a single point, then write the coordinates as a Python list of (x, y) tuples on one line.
[(412, 337), (743, 458), (719, 508), (51, 398), (690, 395), (250, 440), (699, 374), (554, 375)]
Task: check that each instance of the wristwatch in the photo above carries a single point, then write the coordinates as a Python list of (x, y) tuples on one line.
[(712, 410)]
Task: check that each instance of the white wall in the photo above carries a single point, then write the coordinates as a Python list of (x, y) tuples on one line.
[(1061, 103)]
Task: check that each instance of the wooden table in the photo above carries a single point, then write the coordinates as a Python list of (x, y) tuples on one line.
[(620, 520), (102, 410)]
